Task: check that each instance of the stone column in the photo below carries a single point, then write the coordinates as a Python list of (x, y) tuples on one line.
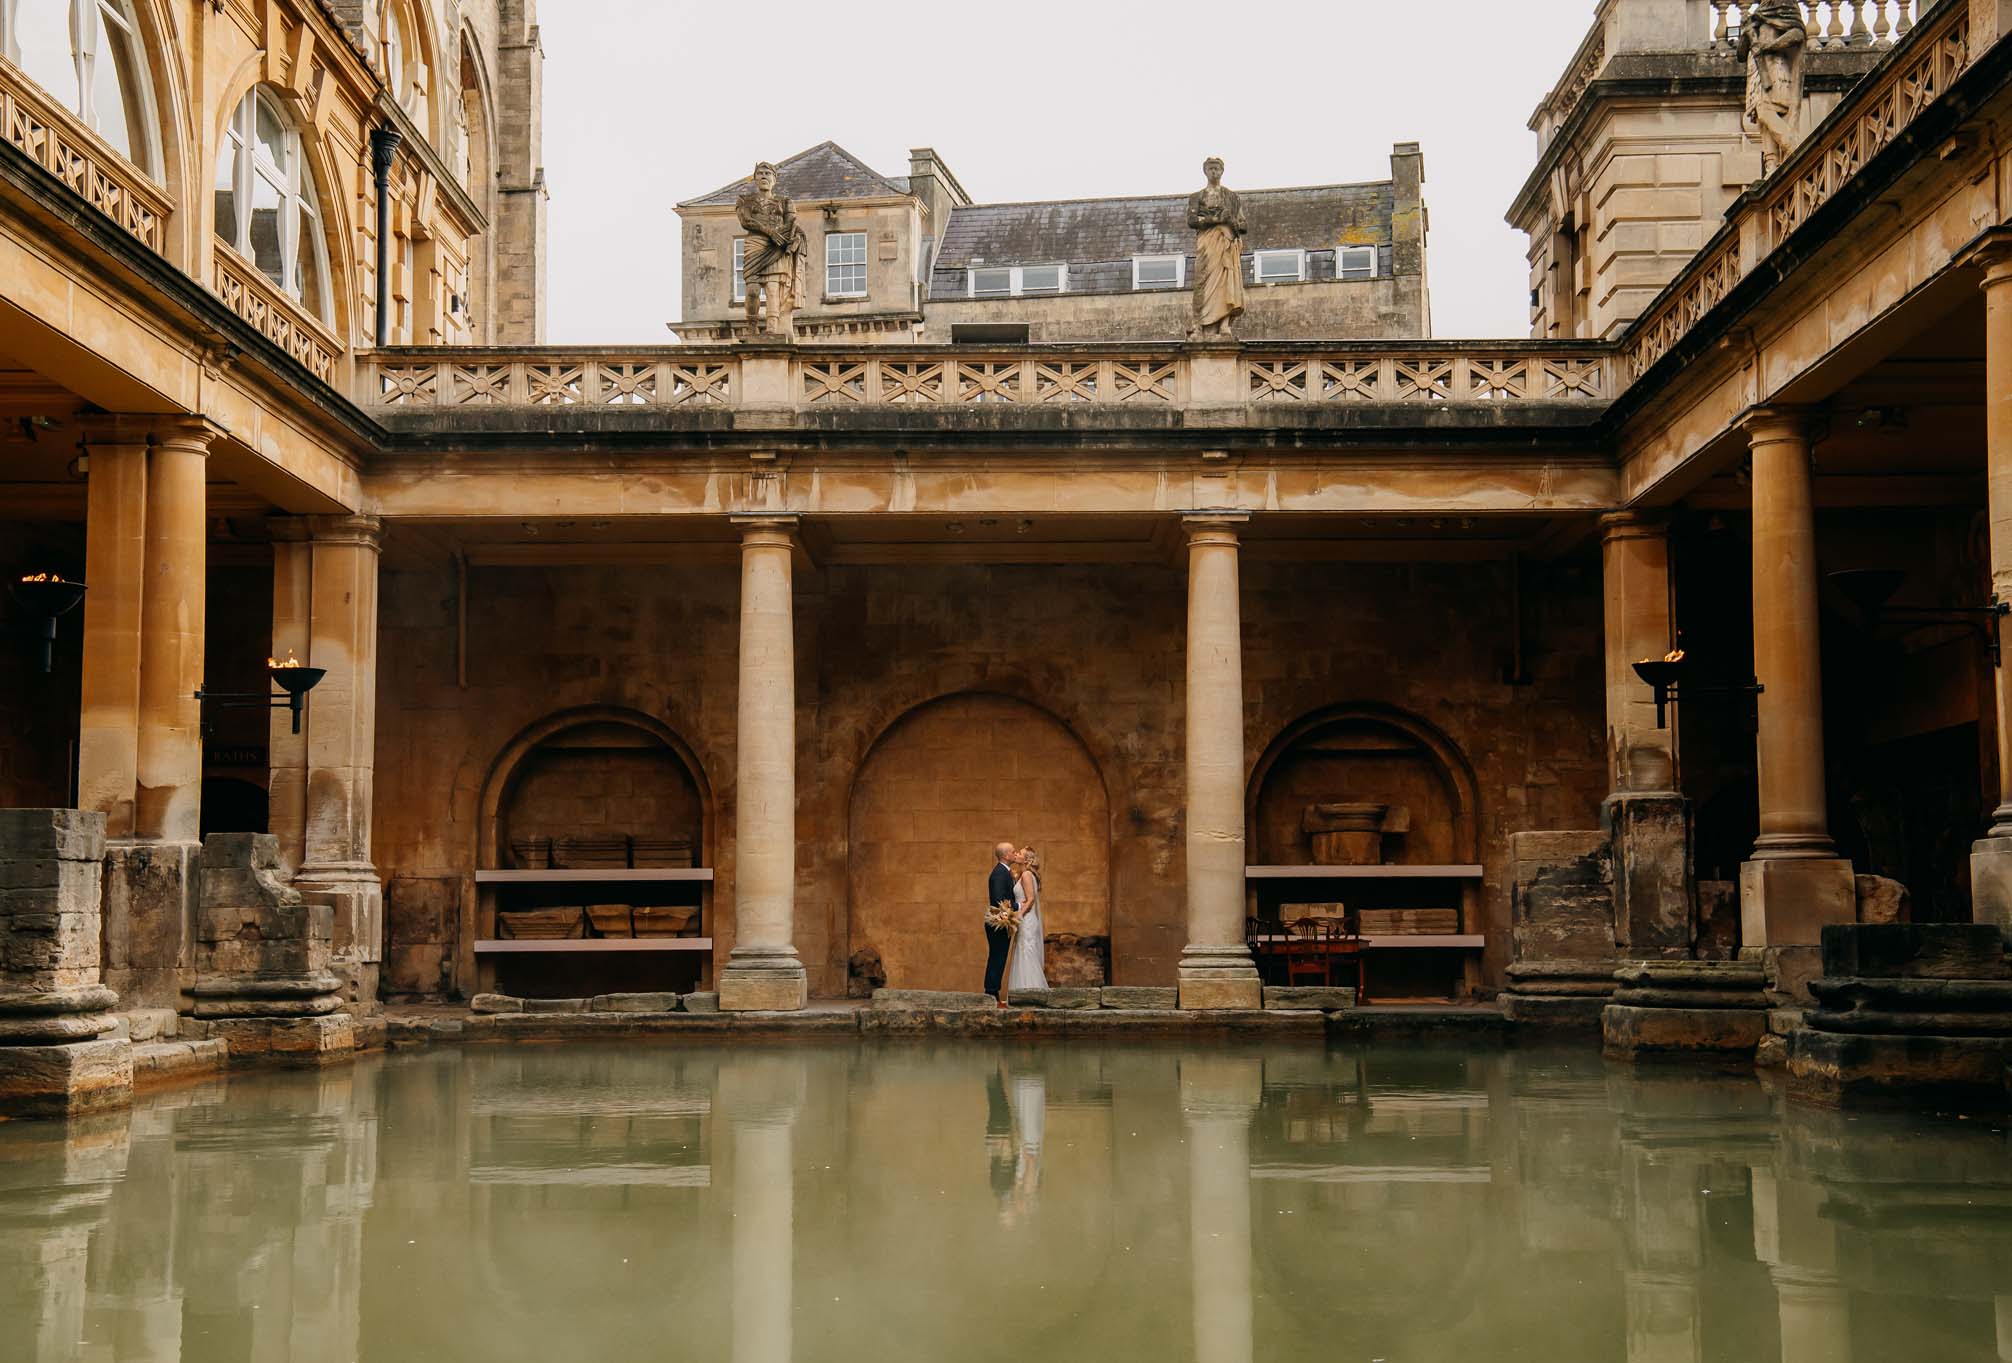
[(1648, 822), (760, 1098), (115, 544), (149, 890), (1796, 882), (1991, 856), (1216, 966), (1219, 1095), (762, 971), (341, 730), (292, 635), (55, 1057)]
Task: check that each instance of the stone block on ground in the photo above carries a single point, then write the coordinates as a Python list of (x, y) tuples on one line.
[(554, 1006), (1134, 997), (1881, 900), (160, 1061), (1789, 972), (634, 1003), (1324, 999), (1631, 1033), (1837, 1069), (321, 1040), (64, 1080), (931, 1000), (700, 1001), (495, 1003), (1058, 996), (149, 896)]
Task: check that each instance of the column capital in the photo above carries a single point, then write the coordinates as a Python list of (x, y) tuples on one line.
[(364, 531), (1647, 523), (117, 428), (768, 529), (1774, 423), (1214, 527), (1992, 254), (288, 529), (190, 434)]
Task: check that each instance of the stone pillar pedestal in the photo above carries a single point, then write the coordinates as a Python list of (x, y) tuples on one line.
[(1562, 910), (56, 1059), (1216, 966), (1654, 897), (762, 971), (1698, 1008), (1219, 1095), (1907, 1013), (263, 982)]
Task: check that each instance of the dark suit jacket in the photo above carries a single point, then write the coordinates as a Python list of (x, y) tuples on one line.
[(999, 889)]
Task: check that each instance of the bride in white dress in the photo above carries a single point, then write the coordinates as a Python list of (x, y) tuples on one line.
[(1028, 967)]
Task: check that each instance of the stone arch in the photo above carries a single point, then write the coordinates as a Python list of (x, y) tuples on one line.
[(476, 91), (512, 765), (937, 787), (172, 126), (1397, 758)]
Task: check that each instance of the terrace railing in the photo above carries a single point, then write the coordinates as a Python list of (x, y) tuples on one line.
[(828, 377)]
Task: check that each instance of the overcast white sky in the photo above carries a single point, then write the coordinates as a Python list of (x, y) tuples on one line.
[(648, 102)]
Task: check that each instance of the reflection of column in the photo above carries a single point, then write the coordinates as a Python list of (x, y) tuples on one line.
[(763, 971), (1219, 1094), (1216, 967), (1796, 882), (115, 546), (45, 1248), (760, 1097), (1991, 858), (335, 867), (1815, 1317)]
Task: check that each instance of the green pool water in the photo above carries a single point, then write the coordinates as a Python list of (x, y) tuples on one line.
[(1392, 1202)]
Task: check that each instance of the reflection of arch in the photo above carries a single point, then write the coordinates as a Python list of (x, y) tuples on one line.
[(1376, 734), (510, 766), (935, 789)]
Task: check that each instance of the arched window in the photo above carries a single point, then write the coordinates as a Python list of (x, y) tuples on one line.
[(404, 64), (86, 53), (266, 207)]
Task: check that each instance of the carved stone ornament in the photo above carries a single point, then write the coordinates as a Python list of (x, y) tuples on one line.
[(1217, 216), (777, 254), (1772, 43)]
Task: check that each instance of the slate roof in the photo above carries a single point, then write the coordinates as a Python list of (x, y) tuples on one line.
[(1097, 238), (825, 171)]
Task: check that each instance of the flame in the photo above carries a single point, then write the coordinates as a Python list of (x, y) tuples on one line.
[(41, 577), (291, 661), (1675, 655)]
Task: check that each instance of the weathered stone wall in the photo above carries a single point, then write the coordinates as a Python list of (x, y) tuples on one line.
[(1392, 308), (1099, 647)]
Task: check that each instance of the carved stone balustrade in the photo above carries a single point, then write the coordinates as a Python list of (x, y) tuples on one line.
[(55, 139)]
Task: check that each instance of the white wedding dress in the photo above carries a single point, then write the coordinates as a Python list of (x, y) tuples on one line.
[(1028, 967)]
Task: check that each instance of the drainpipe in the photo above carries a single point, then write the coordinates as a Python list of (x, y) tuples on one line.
[(383, 145)]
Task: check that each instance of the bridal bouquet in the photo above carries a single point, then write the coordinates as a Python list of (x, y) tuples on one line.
[(1003, 917)]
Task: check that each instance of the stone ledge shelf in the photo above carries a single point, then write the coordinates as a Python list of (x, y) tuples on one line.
[(1362, 873), (611, 876), (488, 946)]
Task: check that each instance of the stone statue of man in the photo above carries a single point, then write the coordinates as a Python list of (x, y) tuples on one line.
[(1772, 43), (776, 257), (1217, 216)]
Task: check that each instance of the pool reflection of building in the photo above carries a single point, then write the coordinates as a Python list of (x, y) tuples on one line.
[(1381, 1204)]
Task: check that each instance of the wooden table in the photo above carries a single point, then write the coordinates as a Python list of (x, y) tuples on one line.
[(1274, 944)]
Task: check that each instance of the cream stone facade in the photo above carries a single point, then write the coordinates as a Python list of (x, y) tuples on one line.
[(667, 668)]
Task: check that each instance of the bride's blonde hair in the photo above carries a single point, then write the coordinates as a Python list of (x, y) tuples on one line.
[(1033, 862)]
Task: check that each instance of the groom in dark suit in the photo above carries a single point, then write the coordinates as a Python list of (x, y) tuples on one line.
[(998, 890)]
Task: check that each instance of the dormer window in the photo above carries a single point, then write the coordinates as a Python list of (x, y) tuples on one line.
[(845, 264), (1355, 262), (1011, 281), (1159, 272), (1278, 267)]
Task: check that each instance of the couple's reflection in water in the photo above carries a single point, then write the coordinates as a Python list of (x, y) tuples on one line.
[(778, 1203)]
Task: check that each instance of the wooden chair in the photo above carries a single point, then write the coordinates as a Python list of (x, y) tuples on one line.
[(1343, 945), (1306, 951)]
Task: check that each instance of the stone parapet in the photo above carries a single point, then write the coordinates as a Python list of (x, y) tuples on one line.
[(57, 1054)]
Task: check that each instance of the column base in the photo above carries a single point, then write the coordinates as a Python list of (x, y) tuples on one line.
[(355, 894), (1651, 834), (1558, 993), (149, 907), (62, 1081), (1991, 884), (1788, 901), (1698, 1009), (763, 980), (325, 1040), (1217, 977)]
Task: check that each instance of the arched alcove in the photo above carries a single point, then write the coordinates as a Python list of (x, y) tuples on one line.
[(598, 810), (944, 783)]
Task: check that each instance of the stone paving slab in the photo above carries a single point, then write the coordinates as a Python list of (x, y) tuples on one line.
[(161, 1062)]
